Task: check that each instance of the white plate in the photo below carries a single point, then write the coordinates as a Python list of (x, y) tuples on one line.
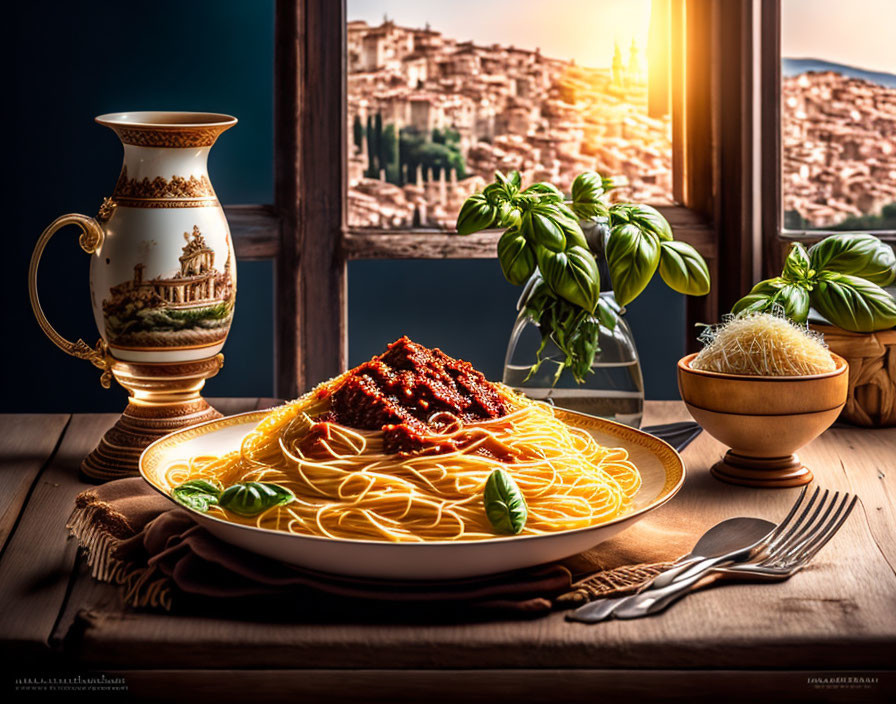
[(662, 474)]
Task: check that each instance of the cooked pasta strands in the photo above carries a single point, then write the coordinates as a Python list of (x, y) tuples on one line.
[(350, 487)]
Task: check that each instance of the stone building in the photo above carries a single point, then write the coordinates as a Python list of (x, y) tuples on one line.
[(512, 108)]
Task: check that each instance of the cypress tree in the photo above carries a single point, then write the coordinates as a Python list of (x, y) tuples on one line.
[(372, 169), (358, 133)]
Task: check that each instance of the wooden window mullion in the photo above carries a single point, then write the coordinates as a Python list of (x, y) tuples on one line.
[(309, 162)]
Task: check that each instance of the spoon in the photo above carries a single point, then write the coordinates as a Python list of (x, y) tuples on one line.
[(729, 536)]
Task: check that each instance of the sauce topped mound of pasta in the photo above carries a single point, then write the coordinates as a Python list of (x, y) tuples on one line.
[(411, 446), (410, 391)]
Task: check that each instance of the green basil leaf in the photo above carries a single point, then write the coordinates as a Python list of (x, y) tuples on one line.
[(544, 192), (540, 227), (587, 192), (793, 298), (588, 185), (797, 267), (476, 214), (505, 505), (857, 255), (753, 303), (508, 215), (619, 214), (583, 343), (509, 184), (607, 314), (252, 498), (649, 219), (569, 223), (572, 275), (683, 269), (495, 194), (853, 303), (516, 257), (633, 257), (197, 494)]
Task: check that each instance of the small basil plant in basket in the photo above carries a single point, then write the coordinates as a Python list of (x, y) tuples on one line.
[(556, 247), (841, 277)]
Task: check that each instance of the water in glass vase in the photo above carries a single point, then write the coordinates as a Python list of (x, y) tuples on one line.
[(614, 389)]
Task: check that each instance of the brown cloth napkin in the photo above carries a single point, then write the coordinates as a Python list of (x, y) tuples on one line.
[(138, 539)]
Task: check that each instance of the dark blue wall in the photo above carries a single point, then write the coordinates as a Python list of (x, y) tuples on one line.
[(79, 60)]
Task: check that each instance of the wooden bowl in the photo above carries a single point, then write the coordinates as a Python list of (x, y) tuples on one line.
[(763, 419)]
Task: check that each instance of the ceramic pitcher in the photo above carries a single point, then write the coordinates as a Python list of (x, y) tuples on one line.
[(162, 266)]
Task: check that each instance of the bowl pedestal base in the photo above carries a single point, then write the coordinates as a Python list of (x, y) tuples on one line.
[(164, 397), (762, 472)]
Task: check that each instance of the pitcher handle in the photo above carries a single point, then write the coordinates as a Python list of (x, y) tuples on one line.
[(91, 240)]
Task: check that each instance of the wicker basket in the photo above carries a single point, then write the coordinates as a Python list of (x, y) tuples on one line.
[(872, 374)]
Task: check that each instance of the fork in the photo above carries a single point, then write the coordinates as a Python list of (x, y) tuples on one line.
[(788, 550), (785, 550)]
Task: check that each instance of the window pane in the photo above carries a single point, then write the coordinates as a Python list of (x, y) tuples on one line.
[(440, 94), (838, 110)]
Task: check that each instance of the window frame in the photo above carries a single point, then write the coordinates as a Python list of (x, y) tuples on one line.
[(777, 239), (305, 230)]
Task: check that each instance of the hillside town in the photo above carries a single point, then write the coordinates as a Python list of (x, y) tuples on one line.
[(839, 148), (430, 119)]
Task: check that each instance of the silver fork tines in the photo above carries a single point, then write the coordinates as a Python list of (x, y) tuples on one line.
[(788, 527), (815, 535)]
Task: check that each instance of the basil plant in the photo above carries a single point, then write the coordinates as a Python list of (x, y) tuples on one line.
[(841, 277), (544, 249)]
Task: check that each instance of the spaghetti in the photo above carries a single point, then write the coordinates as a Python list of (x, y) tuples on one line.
[(349, 482)]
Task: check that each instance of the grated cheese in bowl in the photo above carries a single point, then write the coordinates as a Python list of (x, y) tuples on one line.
[(763, 344)]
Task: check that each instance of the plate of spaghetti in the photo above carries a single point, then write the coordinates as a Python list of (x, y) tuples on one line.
[(414, 466)]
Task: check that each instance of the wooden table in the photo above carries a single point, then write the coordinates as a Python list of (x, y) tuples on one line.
[(836, 618)]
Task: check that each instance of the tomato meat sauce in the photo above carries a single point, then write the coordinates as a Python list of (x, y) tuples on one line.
[(416, 395)]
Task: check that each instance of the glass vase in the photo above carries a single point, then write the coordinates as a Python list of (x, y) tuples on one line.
[(614, 389)]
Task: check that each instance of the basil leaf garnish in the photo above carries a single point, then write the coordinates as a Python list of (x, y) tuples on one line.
[(252, 498), (504, 503), (197, 494)]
